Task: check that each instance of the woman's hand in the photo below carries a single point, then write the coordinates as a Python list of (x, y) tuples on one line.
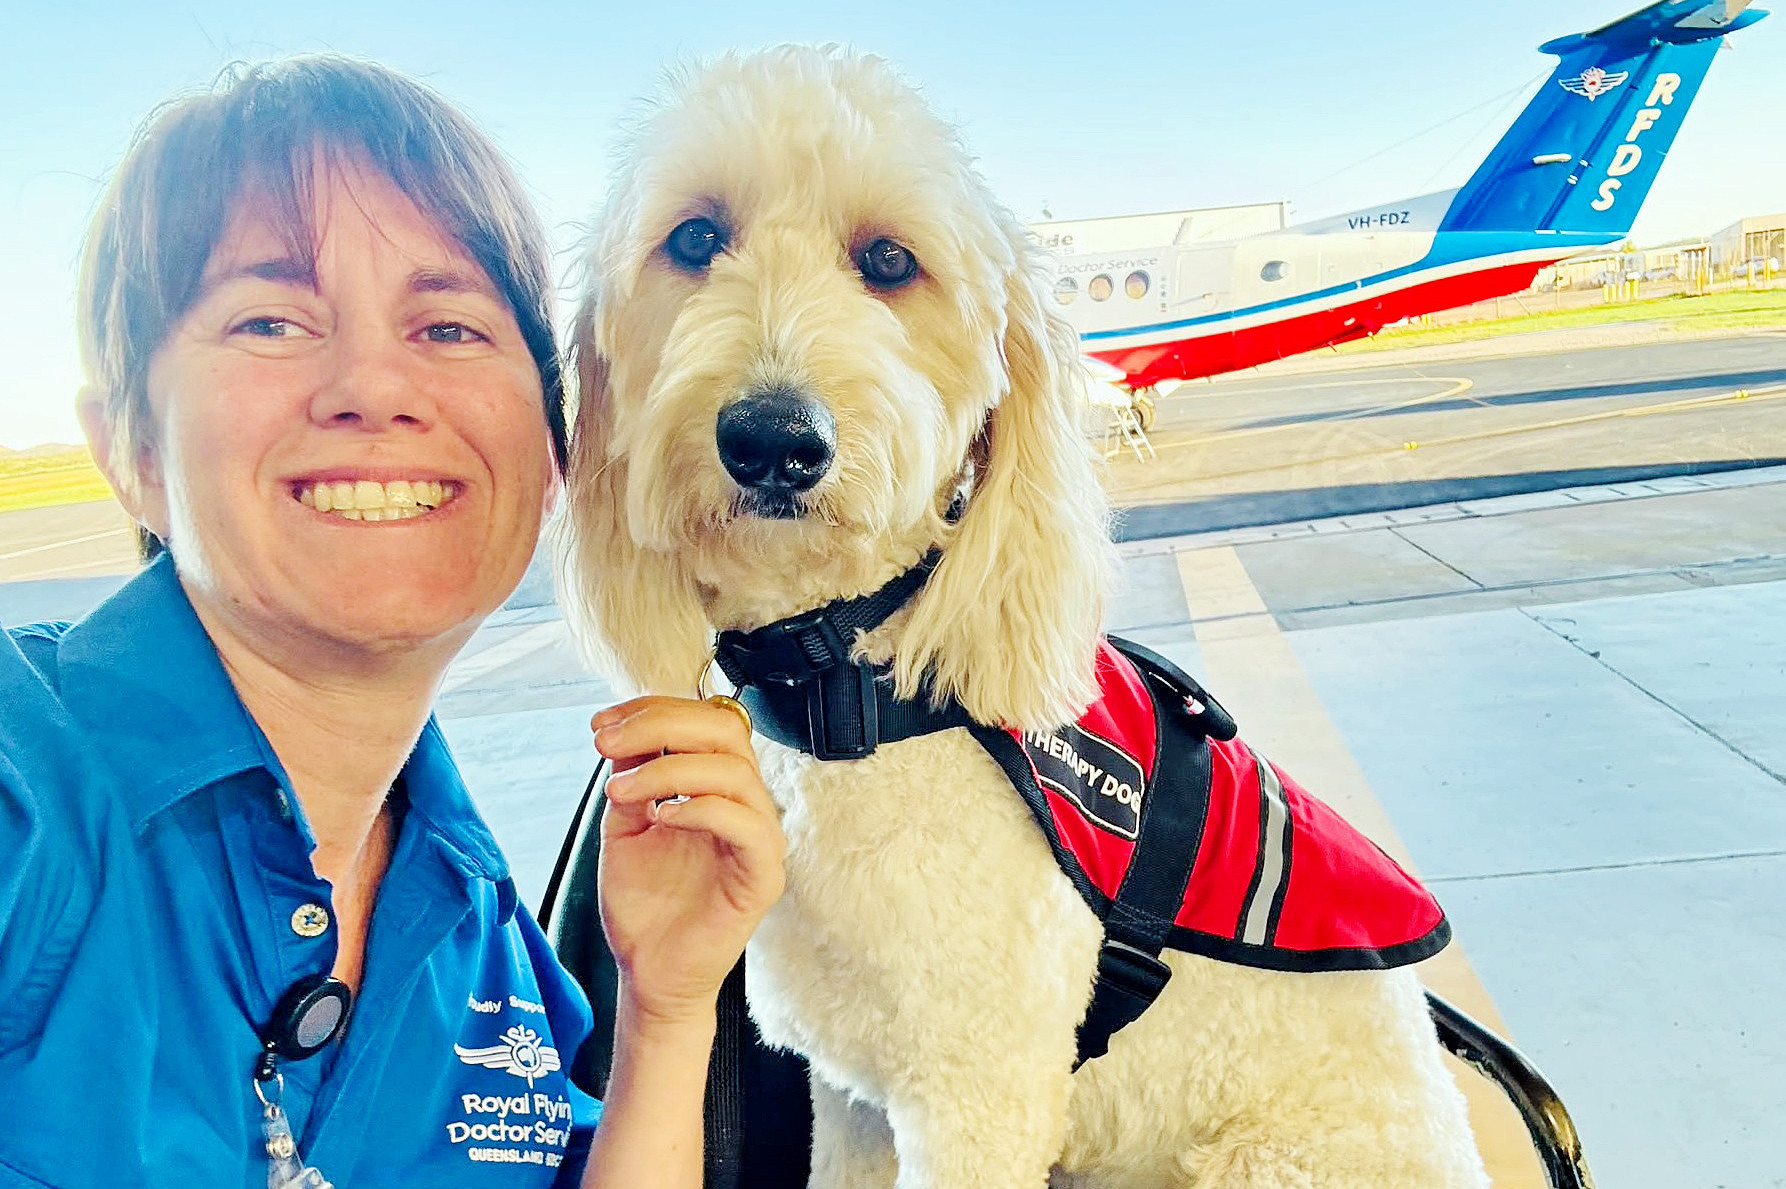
[(683, 883)]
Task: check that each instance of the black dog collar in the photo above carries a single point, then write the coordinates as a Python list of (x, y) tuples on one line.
[(803, 690)]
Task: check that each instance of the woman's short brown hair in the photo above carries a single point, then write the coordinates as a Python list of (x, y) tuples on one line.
[(264, 128)]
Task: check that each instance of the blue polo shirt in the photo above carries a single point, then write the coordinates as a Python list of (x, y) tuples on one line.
[(157, 898)]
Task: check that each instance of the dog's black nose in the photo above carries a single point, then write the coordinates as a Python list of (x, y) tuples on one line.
[(776, 443)]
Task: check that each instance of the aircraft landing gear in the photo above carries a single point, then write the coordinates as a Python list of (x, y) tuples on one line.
[(1142, 401)]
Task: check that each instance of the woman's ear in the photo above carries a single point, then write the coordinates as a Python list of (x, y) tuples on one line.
[(130, 467), (553, 497)]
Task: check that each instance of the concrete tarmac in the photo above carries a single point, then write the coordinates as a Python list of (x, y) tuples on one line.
[(69, 541), (1560, 705), (1283, 445)]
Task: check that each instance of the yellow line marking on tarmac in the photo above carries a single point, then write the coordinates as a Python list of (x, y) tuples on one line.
[(1749, 395), (110, 532), (1373, 380), (1459, 386), (1671, 406), (1292, 386), (1256, 674)]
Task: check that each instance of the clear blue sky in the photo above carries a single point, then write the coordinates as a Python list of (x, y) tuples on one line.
[(1097, 108)]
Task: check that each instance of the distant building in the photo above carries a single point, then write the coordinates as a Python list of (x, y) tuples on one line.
[(1682, 260), (1750, 248), (1589, 270)]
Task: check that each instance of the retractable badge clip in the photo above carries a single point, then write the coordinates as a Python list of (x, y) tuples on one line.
[(312, 1013)]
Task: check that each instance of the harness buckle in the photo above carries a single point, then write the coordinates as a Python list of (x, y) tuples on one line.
[(1132, 971), (1129, 980), (843, 714), (787, 652)]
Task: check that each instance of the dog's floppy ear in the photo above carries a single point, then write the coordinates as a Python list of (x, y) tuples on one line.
[(631, 608), (1009, 621)]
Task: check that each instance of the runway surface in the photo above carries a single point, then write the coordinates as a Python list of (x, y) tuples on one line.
[(1298, 441), (1560, 705)]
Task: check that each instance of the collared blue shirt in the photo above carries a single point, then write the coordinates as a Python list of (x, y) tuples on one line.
[(157, 899)]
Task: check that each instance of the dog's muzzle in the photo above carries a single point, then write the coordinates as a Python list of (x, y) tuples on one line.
[(776, 445)]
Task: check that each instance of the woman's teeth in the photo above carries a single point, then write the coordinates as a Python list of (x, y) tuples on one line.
[(363, 499)]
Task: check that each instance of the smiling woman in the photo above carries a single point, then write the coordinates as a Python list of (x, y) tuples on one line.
[(323, 382), (151, 253), (387, 360)]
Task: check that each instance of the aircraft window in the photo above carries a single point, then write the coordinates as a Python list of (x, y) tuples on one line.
[(1065, 290), (1275, 270), (1100, 287), (1136, 285)]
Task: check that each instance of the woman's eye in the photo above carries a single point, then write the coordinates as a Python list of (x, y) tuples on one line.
[(452, 332), (265, 327), (887, 263), (693, 243)]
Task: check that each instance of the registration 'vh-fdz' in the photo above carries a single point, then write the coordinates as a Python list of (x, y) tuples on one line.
[(1568, 176)]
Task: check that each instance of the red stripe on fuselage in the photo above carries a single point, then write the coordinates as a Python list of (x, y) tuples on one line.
[(1231, 350)]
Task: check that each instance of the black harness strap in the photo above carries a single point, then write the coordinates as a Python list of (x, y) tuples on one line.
[(1140, 918), (1144, 911), (1130, 973), (802, 689), (1205, 713), (804, 692)]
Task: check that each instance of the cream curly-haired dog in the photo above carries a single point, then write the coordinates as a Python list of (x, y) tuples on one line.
[(797, 250)]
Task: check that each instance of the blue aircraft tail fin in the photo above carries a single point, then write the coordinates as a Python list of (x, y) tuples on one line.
[(1584, 153)]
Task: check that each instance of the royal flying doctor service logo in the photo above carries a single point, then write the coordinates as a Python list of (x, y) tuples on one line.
[(520, 1052), (1594, 82)]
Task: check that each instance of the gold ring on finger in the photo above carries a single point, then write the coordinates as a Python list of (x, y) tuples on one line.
[(735, 706)]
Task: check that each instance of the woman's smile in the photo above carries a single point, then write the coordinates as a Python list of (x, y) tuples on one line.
[(370, 499)]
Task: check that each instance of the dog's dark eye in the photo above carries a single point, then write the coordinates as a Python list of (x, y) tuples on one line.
[(695, 242), (885, 263)]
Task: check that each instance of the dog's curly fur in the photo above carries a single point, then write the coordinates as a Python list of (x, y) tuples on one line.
[(929, 957)]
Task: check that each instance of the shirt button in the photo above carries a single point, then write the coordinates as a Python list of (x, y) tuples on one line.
[(310, 920)]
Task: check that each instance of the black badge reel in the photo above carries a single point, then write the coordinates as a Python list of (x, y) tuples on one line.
[(312, 1012)]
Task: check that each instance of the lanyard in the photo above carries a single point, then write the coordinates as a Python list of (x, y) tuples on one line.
[(312, 1013)]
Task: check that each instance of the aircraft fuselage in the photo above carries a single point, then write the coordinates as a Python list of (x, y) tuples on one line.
[(1567, 177)]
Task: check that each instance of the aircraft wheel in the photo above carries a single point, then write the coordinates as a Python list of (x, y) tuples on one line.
[(1142, 402)]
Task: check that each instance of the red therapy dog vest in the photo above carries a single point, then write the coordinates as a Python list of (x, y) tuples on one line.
[(1280, 880)]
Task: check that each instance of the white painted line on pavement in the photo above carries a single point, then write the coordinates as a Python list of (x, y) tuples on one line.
[(110, 532), (1255, 673)]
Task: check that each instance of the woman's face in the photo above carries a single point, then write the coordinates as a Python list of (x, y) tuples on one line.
[(357, 457)]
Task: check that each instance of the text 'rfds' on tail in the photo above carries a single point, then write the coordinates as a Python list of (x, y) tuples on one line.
[(1586, 150)]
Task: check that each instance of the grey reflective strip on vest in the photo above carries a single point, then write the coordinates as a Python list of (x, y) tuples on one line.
[(1274, 829)]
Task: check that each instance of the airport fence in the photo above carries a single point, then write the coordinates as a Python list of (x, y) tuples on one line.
[(1546, 295)]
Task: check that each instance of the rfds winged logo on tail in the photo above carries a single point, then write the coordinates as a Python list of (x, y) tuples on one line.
[(1593, 82)]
